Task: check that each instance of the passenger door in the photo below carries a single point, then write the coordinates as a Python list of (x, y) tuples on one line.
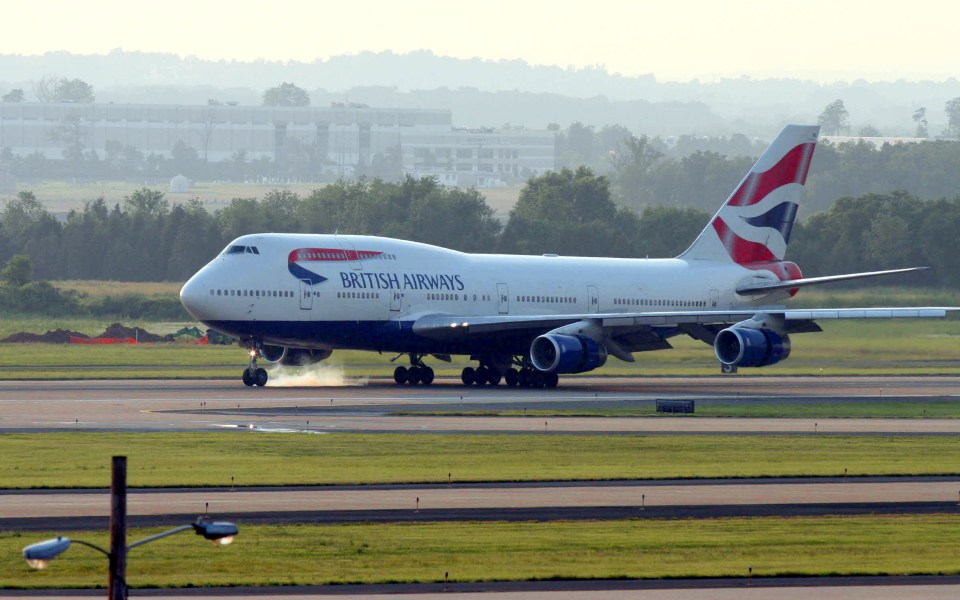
[(306, 295), (593, 299), (503, 298)]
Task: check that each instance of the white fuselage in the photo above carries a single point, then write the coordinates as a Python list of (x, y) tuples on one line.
[(330, 291)]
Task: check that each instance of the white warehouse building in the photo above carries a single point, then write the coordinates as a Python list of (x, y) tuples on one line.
[(346, 135)]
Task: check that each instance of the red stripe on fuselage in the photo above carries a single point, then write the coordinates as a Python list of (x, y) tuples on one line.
[(792, 168)]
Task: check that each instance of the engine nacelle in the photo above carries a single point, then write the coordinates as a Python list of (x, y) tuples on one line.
[(293, 357), (555, 353), (273, 354), (745, 347)]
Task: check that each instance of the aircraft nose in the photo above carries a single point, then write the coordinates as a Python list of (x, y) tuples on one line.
[(193, 297)]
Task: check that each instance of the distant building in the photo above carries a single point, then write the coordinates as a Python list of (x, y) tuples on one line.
[(876, 142), (348, 136), (179, 184)]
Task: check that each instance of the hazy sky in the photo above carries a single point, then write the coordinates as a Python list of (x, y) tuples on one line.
[(674, 40)]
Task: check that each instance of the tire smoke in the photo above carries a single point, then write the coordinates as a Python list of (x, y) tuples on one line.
[(316, 375)]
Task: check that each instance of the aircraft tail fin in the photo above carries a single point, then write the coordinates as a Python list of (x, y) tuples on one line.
[(753, 226)]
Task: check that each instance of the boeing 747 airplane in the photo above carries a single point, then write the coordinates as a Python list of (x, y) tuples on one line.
[(295, 298)]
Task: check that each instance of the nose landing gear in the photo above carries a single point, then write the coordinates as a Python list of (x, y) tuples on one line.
[(254, 375)]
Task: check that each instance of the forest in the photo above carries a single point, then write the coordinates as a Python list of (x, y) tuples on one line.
[(569, 212)]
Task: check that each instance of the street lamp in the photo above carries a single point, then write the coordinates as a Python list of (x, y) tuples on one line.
[(39, 555)]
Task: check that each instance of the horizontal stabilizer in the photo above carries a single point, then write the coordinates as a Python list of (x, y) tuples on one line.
[(763, 288)]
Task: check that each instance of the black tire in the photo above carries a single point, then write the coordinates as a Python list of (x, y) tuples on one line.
[(481, 376), (260, 377), (400, 375), (551, 380), (536, 379), (413, 375), (493, 377), (426, 375), (248, 378), (468, 375), (524, 378), (511, 377)]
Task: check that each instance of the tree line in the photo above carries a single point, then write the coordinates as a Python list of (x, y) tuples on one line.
[(568, 212)]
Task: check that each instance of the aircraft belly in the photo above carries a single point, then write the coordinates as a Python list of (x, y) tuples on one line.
[(387, 336)]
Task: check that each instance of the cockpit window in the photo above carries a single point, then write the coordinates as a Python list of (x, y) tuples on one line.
[(241, 250)]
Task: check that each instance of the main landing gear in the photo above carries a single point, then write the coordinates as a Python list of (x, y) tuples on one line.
[(254, 375), (416, 373), (526, 376)]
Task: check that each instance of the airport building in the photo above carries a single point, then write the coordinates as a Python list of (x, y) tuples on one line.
[(345, 136)]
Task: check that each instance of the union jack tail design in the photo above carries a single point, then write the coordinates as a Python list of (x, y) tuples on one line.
[(753, 226)]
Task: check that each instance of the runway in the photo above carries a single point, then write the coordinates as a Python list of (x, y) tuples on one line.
[(198, 405)]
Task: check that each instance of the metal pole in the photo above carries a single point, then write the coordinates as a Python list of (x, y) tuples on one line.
[(117, 579)]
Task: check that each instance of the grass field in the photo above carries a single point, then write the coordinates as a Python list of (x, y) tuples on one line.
[(940, 409), (363, 553), (920, 347), (99, 289), (190, 459)]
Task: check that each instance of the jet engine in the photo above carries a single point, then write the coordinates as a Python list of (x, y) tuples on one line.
[(293, 357), (746, 347), (556, 353)]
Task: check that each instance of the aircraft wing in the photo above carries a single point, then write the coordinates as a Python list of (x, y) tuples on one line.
[(637, 332)]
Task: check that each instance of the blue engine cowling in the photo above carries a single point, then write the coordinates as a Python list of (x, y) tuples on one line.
[(745, 347), (555, 353)]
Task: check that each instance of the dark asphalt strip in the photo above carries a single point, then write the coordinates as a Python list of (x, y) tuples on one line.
[(588, 513)]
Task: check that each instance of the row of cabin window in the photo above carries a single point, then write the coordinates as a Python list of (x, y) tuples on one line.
[(454, 297), (359, 295), (548, 299), (651, 302), (255, 293)]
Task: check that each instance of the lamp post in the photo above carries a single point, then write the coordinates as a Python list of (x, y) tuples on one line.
[(40, 554)]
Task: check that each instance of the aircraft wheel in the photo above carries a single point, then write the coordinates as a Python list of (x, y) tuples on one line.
[(511, 377), (493, 377), (248, 378), (727, 369), (551, 380), (260, 377), (413, 375), (468, 375), (536, 379), (400, 375), (426, 376), (480, 376), (523, 378)]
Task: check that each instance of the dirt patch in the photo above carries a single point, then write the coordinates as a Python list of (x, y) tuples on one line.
[(117, 330), (57, 336)]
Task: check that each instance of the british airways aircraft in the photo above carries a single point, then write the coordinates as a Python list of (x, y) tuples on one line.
[(294, 298)]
